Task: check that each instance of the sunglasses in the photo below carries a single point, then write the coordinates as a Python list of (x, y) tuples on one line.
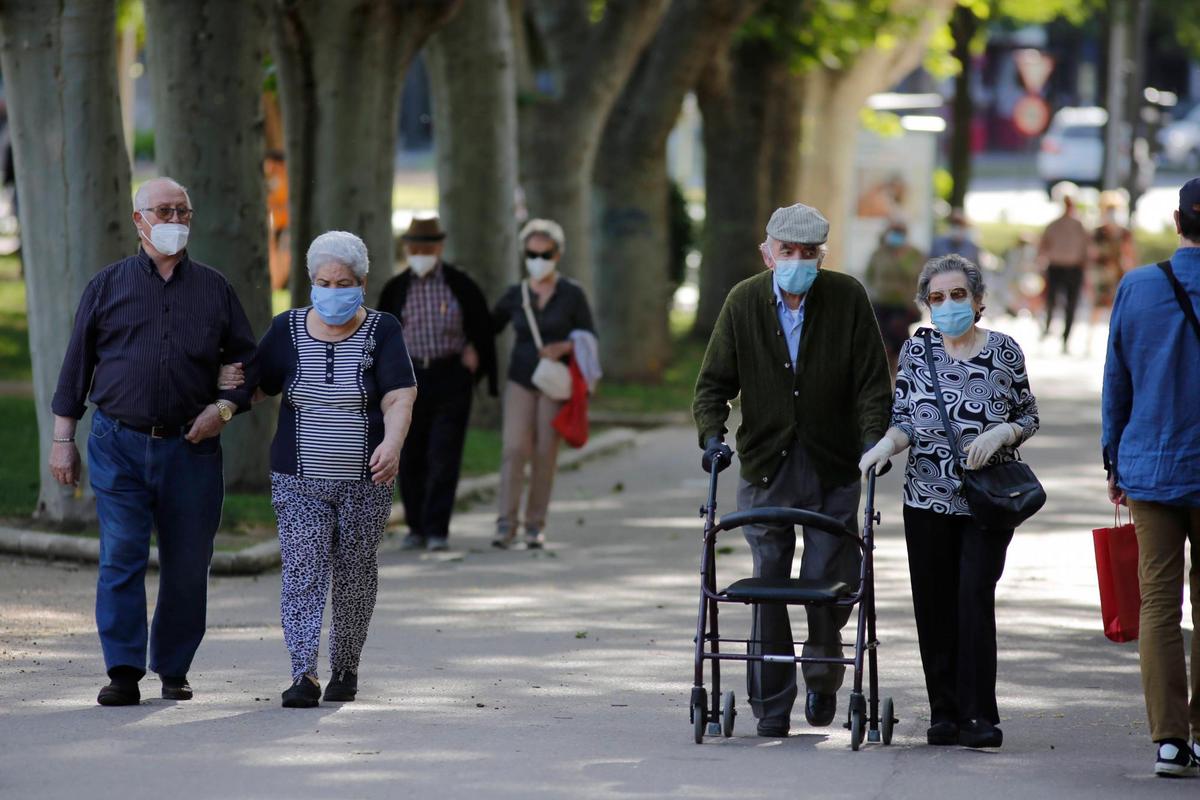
[(547, 255), (957, 295), (166, 213)]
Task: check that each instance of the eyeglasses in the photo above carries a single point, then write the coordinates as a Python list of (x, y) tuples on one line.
[(957, 295), (167, 213), (548, 255)]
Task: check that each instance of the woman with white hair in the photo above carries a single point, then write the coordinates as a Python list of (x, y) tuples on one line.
[(559, 308), (348, 391), (954, 563)]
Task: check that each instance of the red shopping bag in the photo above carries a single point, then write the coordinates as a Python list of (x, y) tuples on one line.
[(572, 419), (1117, 572)]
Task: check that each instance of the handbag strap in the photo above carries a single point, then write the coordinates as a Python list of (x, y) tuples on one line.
[(927, 335), (533, 326), (1181, 295)]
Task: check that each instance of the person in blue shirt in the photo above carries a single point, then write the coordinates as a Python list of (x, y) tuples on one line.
[(1151, 439)]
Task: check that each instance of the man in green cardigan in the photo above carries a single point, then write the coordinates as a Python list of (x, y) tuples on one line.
[(801, 346)]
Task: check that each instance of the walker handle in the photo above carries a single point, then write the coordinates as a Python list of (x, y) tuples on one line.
[(778, 516)]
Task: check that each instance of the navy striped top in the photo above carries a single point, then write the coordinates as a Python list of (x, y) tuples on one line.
[(331, 420), (148, 349)]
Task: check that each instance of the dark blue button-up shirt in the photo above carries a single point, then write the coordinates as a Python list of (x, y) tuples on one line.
[(149, 349)]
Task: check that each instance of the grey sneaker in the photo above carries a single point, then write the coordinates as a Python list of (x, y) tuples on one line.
[(413, 541), (437, 544), (535, 540), (503, 539)]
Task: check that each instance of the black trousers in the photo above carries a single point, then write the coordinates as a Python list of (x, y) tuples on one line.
[(954, 566), (1067, 281), (431, 460)]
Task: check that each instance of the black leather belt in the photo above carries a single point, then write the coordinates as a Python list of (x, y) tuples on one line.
[(158, 431), (434, 363)]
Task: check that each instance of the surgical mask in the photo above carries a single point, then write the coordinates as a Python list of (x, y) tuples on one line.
[(796, 275), (422, 264), (168, 238), (894, 238), (953, 317), (539, 267), (336, 305)]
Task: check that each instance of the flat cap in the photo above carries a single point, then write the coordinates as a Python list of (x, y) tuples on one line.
[(798, 223)]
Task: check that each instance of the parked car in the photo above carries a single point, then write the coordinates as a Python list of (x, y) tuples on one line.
[(1072, 150), (1180, 141)]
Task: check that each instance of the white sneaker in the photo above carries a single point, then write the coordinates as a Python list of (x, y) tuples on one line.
[(1175, 761)]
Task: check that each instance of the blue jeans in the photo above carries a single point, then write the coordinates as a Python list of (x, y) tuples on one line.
[(175, 488)]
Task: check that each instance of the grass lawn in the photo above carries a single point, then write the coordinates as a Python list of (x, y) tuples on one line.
[(997, 237)]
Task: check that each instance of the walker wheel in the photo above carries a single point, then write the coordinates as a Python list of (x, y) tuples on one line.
[(727, 714), (888, 720), (699, 718), (856, 728)]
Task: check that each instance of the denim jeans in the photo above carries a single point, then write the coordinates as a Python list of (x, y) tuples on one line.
[(174, 488)]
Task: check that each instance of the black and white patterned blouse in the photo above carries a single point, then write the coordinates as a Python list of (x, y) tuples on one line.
[(979, 393)]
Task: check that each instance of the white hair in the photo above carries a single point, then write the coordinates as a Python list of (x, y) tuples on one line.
[(822, 249), (140, 196), (544, 227), (342, 247)]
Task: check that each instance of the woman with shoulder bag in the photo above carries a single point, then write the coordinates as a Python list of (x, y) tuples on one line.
[(956, 550), (545, 312)]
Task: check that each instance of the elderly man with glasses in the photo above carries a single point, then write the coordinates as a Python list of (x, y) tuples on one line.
[(800, 345), (150, 335)]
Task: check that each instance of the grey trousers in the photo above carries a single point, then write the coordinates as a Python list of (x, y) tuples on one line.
[(771, 687)]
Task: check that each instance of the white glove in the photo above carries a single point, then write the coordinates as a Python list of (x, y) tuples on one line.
[(877, 456), (987, 443)]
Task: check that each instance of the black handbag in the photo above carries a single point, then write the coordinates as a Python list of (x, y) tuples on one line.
[(1001, 496)]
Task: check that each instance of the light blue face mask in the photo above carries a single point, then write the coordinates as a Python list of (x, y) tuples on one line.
[(336, 305), (894, 238), (796, 275), (953, 317)]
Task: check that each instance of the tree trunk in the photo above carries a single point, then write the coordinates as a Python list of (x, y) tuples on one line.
[(750, 100), (587, 62), (963, 25), (472, 73), (341, 106), (630, 187), (208, 136), (832, 101), (59, 63)]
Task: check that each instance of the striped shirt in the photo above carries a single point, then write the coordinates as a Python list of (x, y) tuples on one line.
[(432, 318), (149, 349), (331, 420)]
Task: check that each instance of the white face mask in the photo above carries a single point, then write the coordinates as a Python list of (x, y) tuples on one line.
[(168, 238), (422, 264), (539, 268)]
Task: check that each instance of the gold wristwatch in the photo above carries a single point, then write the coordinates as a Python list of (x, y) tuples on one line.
[(225, 409)]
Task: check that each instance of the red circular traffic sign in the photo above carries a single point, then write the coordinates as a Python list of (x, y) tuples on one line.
[(1031, 115)]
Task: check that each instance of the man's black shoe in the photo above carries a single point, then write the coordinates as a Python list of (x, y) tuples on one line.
[(342, 687), (942, 734), (120, 693), (820, 708), (773, 728), (175, 688), (303, 693), (980, 733)]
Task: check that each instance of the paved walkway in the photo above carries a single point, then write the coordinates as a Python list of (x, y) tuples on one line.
[(566, 673)]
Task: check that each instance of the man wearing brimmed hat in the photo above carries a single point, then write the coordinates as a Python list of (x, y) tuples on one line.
[(1151, 437), (801, 346), (448, 329)]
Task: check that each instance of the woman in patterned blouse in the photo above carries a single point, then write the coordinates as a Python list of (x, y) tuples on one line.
[(953, 563)]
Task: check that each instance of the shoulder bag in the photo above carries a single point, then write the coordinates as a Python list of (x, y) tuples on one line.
[(1001, 496), (1181, 295), (551, 377)]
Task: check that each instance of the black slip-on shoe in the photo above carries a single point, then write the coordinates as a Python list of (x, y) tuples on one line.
[(175, 688), (1175, 760), (342, 687), (980, 734), (941, 734), (303, 693), (120, 693), (820, 709), (413, 541), (773, 728)]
